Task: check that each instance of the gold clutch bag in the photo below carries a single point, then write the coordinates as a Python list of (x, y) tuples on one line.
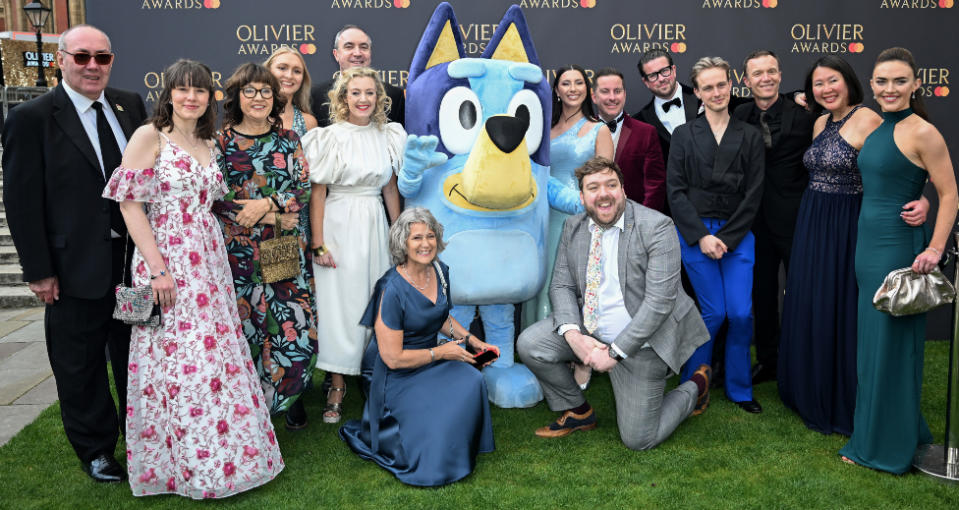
[(905, 292)]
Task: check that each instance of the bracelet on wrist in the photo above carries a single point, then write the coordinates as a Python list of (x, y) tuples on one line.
[(320, 250), (938, 252), (432, 356), (155, 276)]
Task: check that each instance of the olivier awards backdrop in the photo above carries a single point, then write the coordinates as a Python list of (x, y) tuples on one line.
[(148, 35)]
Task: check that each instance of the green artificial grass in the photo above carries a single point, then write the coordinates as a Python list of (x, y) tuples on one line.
[(725, 458)]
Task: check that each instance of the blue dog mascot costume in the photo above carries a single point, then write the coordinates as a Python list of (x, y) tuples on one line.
[(478, 158)]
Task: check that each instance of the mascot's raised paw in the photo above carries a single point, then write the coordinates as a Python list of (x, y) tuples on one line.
[(420, 155)]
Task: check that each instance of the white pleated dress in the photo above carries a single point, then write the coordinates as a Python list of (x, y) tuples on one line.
[(355, 162)]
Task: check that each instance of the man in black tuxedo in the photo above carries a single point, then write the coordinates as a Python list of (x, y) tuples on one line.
[(59, 150), (352, 47), (787, 133)]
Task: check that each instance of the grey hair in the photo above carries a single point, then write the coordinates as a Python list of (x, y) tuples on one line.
[(336, 39), (400, 232), (62, 45), (707, 63)]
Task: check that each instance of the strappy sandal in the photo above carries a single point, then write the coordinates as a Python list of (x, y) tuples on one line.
[(333, 412)]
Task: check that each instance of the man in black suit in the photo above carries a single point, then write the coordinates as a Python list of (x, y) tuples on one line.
[(787, 133), (59, 150), (352, 47), (673, 104)]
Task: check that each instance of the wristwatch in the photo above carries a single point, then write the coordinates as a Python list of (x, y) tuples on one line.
[(613, 353)]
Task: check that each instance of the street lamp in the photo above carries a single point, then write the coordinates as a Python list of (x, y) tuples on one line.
[(37, 13)]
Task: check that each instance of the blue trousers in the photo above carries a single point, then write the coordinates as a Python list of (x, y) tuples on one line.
[(724, 290)]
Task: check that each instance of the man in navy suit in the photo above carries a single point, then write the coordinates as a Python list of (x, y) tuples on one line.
[(59, 151), (637, 149)]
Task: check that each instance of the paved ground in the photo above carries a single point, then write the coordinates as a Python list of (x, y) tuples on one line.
[(26, 382)]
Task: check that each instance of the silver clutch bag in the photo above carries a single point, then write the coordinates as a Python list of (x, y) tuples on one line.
[(905, 292)]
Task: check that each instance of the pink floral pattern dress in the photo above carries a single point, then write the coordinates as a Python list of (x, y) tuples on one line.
[(197, 423)]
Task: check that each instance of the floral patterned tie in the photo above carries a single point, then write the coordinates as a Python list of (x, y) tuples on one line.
[(594, 266)]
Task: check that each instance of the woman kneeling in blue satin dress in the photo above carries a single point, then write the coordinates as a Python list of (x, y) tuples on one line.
[(427, 415)]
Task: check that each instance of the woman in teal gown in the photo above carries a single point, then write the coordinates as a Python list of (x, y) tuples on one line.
[(576, 135), (895, 161)]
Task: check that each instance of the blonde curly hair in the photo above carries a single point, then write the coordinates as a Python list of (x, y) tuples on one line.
[(340, 110)]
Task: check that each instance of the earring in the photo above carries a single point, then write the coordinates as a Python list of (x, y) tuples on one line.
[(913, 96)]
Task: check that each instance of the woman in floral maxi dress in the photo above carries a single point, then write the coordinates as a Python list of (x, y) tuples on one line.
[(197, 424)]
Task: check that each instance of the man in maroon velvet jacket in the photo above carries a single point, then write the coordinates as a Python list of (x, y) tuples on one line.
[(637, 149)]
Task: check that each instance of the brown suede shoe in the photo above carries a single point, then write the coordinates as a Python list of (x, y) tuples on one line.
[(568, 423), (702, 402)]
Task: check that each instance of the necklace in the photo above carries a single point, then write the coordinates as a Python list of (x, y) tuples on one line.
[(571, 116), (412, 282), (193, 144)]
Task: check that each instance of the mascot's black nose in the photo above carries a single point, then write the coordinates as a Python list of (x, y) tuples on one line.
[(507, 132)]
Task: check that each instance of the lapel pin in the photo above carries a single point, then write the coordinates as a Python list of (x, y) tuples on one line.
[(119, 108)]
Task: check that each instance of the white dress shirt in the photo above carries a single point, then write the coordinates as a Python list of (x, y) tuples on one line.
[(619, 131), (676, 116), (88, 117), (613, 316)]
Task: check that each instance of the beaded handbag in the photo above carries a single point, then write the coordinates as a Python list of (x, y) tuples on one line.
[(135, 305)]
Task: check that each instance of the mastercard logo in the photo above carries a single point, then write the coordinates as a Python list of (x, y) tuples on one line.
[(942, 91), (218, 95), (945, 4), (856, 47), (678, 47), (309, 48), (770, 4), (589, 4), (401, 4), (211, 4)]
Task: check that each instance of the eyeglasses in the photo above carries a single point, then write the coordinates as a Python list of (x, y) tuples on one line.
[(83, 58), (250, 92), (665, 72)]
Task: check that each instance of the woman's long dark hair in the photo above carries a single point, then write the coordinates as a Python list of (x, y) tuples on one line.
[(905, 56), (835, 63), (586, 107), (186, 73)]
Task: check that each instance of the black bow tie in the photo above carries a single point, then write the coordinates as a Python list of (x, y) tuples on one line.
[(612, 124), (669, 104)]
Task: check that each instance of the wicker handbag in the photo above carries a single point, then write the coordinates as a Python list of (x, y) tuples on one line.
[(279, 257), (135, 305)]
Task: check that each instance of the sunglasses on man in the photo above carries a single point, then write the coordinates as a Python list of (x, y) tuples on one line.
[(82, 58)]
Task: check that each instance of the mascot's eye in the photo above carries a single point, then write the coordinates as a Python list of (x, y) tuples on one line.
[(460, 112), (525, 105), (467, 114)]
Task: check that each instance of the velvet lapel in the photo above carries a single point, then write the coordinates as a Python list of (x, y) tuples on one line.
[(690, 103), (623, 139), (66, 116)]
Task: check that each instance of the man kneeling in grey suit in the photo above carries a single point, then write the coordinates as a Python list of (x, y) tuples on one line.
[(616, 278)]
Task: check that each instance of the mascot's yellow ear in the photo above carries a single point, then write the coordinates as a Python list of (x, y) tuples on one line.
[(445, 49), (510, 47)]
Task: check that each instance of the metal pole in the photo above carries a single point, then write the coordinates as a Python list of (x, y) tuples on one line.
[(942, 461), (41, 77)]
